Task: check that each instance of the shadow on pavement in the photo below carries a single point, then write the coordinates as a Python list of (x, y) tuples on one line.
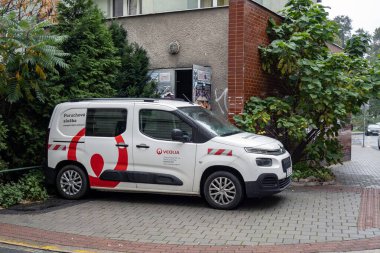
[(53, 203), (56, 203), (176, 200)]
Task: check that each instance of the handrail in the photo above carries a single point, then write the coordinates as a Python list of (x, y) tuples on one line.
[(20, 169)]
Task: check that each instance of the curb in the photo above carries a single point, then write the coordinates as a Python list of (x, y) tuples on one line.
[(36, 246), (72, 243)]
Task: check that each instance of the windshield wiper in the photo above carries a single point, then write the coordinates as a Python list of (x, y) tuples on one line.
[(231, 133)]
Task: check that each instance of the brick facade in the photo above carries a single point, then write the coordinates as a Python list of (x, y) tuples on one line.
[(247, 31)]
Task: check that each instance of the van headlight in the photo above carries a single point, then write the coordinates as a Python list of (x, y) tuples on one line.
[(264, 162), (260, 151)]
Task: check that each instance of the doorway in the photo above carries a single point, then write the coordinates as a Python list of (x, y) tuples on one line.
[(184, 84)]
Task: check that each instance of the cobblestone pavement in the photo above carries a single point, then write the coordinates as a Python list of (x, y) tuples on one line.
[(363, 170), (337, 218), (296, 216)]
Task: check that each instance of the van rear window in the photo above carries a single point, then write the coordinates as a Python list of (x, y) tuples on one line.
[(106, 122)]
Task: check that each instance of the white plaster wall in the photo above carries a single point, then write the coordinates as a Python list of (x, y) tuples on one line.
[(203, 38)]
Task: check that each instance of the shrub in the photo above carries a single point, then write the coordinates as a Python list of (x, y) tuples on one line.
[(29, 187), (10, 194), (303, 171), (132, 79), (32, 186)]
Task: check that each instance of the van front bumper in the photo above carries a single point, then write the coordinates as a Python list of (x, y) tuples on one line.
[(267, 184)]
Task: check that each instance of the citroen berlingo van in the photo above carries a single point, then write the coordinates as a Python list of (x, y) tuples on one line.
[(160, 146)]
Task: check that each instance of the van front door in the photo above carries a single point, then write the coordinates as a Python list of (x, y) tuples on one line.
[(160, 163)]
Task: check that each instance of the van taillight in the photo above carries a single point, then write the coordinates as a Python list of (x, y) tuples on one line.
[(47, 142)]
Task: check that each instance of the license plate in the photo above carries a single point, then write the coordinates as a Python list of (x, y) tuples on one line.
[(289, 171)]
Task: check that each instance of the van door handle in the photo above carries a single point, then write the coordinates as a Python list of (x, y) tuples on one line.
[(142, 146), (122, 145)]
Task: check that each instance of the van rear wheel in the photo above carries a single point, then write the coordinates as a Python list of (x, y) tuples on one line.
[(223, 190), (72, 182)]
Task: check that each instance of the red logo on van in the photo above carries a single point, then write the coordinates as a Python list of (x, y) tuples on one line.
[(167, 152)]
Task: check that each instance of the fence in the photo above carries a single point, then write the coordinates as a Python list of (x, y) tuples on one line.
[(19, 169)]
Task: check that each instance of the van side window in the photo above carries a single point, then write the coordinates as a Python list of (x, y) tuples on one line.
[(159, 124), (106, 122)]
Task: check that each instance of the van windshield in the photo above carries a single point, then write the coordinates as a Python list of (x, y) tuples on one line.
[(215, 124)]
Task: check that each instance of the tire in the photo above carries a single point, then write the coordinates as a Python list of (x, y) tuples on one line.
[(215, 197), (72, 182)]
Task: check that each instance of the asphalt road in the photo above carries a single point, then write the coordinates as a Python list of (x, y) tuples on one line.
[(5, 248)]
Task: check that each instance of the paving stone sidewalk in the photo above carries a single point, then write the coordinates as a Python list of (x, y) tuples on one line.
[(363, 170), (343, 217)]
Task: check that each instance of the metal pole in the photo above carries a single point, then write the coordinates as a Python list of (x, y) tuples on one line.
[(363, 126), (20, 169)]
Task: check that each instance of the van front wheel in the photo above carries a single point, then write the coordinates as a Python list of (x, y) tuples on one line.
[(223, 190), (72, 182)]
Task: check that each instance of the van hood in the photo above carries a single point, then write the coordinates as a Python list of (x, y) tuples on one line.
[(245, 139)]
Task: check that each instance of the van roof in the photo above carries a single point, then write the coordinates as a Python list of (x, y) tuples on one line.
[(168, 102)]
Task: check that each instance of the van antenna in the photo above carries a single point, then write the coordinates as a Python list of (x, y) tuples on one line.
[(188, 100)]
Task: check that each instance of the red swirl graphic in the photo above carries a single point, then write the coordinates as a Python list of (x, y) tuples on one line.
[(97, 161)]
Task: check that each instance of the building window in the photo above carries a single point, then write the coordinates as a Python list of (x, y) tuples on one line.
[(156, 6), (117, 8), (133, 7), (206, 3), (222, 2)]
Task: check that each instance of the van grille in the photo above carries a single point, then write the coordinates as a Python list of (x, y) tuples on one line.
[(284, 182), (272, 182), (269, 182)]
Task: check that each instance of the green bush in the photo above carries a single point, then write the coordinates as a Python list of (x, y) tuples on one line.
[(32, 186), (10, 194), (29, 187), (303, 171)]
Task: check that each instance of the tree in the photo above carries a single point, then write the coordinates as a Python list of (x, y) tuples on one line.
[(29, 57), (319, 88), (27, 53), (374, 109), (93, 59), (374, 52), (40, 9), (345, 28), (358, 44), (133, 79)]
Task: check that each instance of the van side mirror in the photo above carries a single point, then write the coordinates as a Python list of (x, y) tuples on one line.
[(179, 135)]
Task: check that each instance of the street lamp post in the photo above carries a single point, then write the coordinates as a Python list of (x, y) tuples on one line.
[(364, 108)]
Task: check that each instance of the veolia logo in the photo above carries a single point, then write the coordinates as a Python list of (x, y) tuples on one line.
[(167, 152)]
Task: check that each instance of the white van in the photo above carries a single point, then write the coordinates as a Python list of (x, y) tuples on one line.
[(160, 146)]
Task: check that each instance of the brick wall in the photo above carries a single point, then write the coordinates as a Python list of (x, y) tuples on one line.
[(247, 30)]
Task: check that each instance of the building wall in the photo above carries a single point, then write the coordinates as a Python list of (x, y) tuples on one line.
[(203, 38), (247, 31)]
